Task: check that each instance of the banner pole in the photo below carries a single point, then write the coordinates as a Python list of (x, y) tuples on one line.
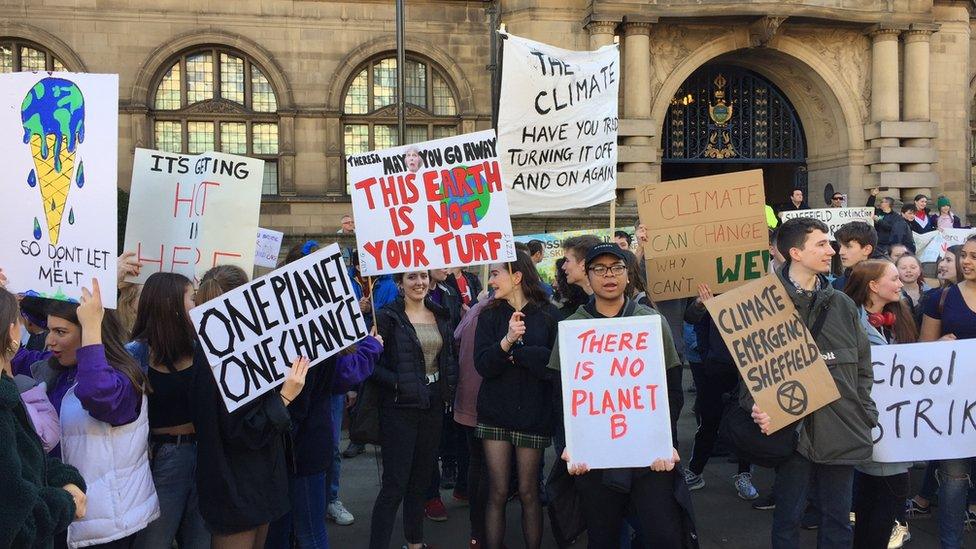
[(369, 285), (613, 215)]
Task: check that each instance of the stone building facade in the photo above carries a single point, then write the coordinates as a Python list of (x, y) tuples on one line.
[(866, 92)]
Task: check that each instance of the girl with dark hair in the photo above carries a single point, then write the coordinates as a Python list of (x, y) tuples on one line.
[(417, 375), (163, 343), (879, 503), (100, 394), (242, 474), (41, 495), (567, 297), (952, 315), (513, 341), (915, 288)]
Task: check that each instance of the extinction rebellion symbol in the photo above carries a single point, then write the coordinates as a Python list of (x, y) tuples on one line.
[(792, 398)]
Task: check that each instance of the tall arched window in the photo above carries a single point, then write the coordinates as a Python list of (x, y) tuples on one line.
[(217, 99), (21, 55), (369, 115)]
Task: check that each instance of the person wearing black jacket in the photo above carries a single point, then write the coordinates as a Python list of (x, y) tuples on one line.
[(417, 374), (513, 341), (242, 476)]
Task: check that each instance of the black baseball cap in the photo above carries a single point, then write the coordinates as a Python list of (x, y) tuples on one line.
[(604, 249)]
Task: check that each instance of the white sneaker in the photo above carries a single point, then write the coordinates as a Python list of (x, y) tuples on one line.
[(899, 536), (338, 513)]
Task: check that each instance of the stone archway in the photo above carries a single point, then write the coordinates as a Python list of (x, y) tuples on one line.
[(829, 91)]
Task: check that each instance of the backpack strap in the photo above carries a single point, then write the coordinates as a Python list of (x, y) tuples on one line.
[(819, 322), (942, 299)]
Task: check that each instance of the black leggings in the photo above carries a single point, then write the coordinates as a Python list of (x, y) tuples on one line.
[(477, 485), (410, 439), (877, 501), (498, 456), (652, 499)]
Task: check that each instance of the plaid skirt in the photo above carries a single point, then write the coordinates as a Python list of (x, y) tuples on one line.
[(516, 438)]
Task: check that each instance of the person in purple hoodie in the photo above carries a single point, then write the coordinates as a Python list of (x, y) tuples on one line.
[(99, 392)]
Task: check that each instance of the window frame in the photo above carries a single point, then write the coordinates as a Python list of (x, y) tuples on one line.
[(217, 109), (15, 44)]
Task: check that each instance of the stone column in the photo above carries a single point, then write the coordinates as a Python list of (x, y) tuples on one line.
[(884, 89), (637, 82), (916, 94), (601, 33)]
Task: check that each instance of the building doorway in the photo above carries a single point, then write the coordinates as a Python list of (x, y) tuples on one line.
[(725, 119)]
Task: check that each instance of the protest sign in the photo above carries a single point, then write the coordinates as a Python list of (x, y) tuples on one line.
[(925, 399), (557, 126), (930, 246), (188, 213), (59, 137), (434, 204), (777, 357), (705, 229), (251, 334), (615, 395), (552, 248), (835, 218), (267, 248)]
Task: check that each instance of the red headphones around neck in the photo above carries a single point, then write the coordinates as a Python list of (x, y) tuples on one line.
[(882, 319)]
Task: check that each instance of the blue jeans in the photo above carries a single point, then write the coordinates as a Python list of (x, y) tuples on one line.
[(332, 475), (833, 484), (306, 518), (954, 481), (174, 474)]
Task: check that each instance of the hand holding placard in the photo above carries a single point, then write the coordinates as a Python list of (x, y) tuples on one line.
[(761, 418), (295, 381)]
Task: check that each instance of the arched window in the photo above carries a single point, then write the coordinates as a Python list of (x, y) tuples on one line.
[(21, 55), (369, 115), (217, 99)]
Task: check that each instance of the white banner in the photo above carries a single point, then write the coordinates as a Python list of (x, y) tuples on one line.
[(251, 334), (926, 400), (59, 137), (188, 213), (930, 246), (557, 126), (615, 392), (434, 204), (835, 218)]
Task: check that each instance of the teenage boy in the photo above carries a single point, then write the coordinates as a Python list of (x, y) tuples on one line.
[(838, 436), (858, 241), (900, 229), (657, 493)]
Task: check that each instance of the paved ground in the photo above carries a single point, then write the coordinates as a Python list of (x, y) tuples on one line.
[(723, 519)]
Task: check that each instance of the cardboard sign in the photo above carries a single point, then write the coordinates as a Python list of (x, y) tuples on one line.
[(705, 229), (615, 394), (552, 248), (930, 246), (777, 357), (835, 218), (252, 334), (557, 126), (268, 248), (925, 399), (59, 137), (188, 213), (434, 204)]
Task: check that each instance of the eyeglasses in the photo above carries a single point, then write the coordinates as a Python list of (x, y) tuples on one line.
[(837, 198), (601, 270)]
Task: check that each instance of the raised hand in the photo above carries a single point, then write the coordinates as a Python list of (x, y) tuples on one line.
[(295, 381), (90, 314)]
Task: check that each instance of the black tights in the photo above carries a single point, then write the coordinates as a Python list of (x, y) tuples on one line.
[(498, 456)]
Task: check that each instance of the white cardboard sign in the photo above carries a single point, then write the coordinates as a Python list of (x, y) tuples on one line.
[(615, 394), (59, 137), (268, 247), (251, 334), (926, 400), (835, 218)]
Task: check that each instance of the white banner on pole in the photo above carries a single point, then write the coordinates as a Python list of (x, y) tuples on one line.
[(835, 218), (557, 126), (615, 392), (926, 400)]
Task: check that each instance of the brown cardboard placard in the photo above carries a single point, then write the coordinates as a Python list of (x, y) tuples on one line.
[(704, 229), (774, 351)]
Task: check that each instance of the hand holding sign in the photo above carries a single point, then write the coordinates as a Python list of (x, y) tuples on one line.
[(90, 314), (661, 465), (761, 418), (295, 381), (574, 469), (128, 266)]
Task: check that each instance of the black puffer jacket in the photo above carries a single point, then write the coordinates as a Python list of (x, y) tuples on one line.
[(516, 392), (401, 370)]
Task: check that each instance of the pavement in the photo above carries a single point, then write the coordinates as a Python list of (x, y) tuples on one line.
[(724, 520)]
